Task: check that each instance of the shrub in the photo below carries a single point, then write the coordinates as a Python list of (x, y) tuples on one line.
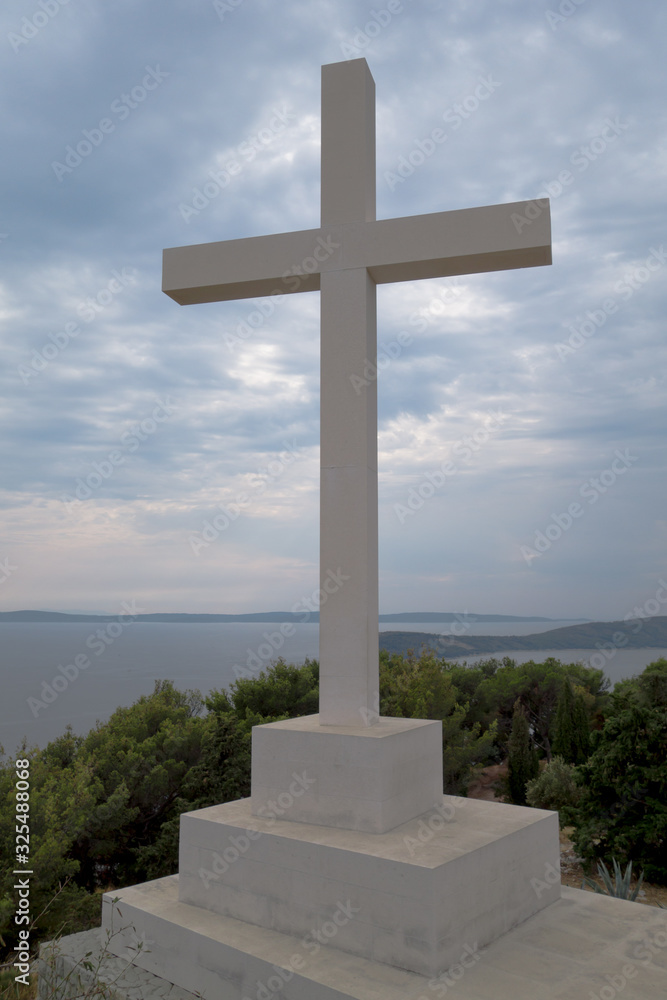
[(623, 812), (555, 788)]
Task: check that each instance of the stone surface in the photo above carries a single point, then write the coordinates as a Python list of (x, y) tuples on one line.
[(354, 883), (344, 260), (437, 245), (348, 634), (349, 645), (62, 974), (411, 897), (583, 946), (361, 779)]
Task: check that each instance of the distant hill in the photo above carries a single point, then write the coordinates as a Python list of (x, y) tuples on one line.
[(643, 633), (443, 617), (448, 616), (173, 619)]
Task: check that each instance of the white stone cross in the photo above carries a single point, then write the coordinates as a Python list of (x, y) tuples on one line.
[(344, 259)]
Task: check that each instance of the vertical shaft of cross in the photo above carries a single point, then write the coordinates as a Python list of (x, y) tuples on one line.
[(348, 143), (348, 431)]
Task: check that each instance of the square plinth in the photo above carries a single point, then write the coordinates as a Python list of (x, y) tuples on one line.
[(367, 778), (411, 898)]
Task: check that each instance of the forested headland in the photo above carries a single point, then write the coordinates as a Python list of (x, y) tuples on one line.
[(604, 637)]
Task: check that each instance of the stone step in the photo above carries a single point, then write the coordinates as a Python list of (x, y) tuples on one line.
[(584, 945), (412, 897)]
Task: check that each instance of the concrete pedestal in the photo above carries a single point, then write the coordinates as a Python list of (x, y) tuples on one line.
[(412, 898), (369, 779), (583, 947)]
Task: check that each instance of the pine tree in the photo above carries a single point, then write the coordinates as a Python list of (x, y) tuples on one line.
[(522, 757)]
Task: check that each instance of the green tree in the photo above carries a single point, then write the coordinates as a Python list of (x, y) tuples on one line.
[(283, 691), (581, 743), (424, 689), (555, 788), (221, 773), (623, 813), (104, 809), (571, 731), (62, 795), (537, 686), (413, 688), (522, 764), (138, 762), (469, 682), (563, 733)]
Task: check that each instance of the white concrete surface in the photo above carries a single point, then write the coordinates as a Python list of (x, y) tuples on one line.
[(80, 967), (345, 259), (410, 897), (271, 907), (347, 190), (436, 245), (349, 640), (362, 779), (582, 947)]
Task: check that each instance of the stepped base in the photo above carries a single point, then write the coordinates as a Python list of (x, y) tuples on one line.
[(413, 897), (582, 947)]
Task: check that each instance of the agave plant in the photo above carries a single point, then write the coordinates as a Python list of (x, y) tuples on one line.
[(619, 886)]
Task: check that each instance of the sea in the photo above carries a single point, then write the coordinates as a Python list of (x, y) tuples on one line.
[(58, 674)]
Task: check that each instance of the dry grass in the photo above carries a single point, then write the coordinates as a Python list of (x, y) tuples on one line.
[(10, 990)]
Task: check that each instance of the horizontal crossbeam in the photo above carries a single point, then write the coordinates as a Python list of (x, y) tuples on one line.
[(465, 241)]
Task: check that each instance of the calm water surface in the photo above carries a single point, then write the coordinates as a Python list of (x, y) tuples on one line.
[(208, 657)]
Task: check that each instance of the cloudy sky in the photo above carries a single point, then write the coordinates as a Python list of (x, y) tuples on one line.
[(131, 423)]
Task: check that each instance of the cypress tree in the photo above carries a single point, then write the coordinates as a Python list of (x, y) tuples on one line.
[(522, 757), (581, 742), (563, 738), (571, 739)]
